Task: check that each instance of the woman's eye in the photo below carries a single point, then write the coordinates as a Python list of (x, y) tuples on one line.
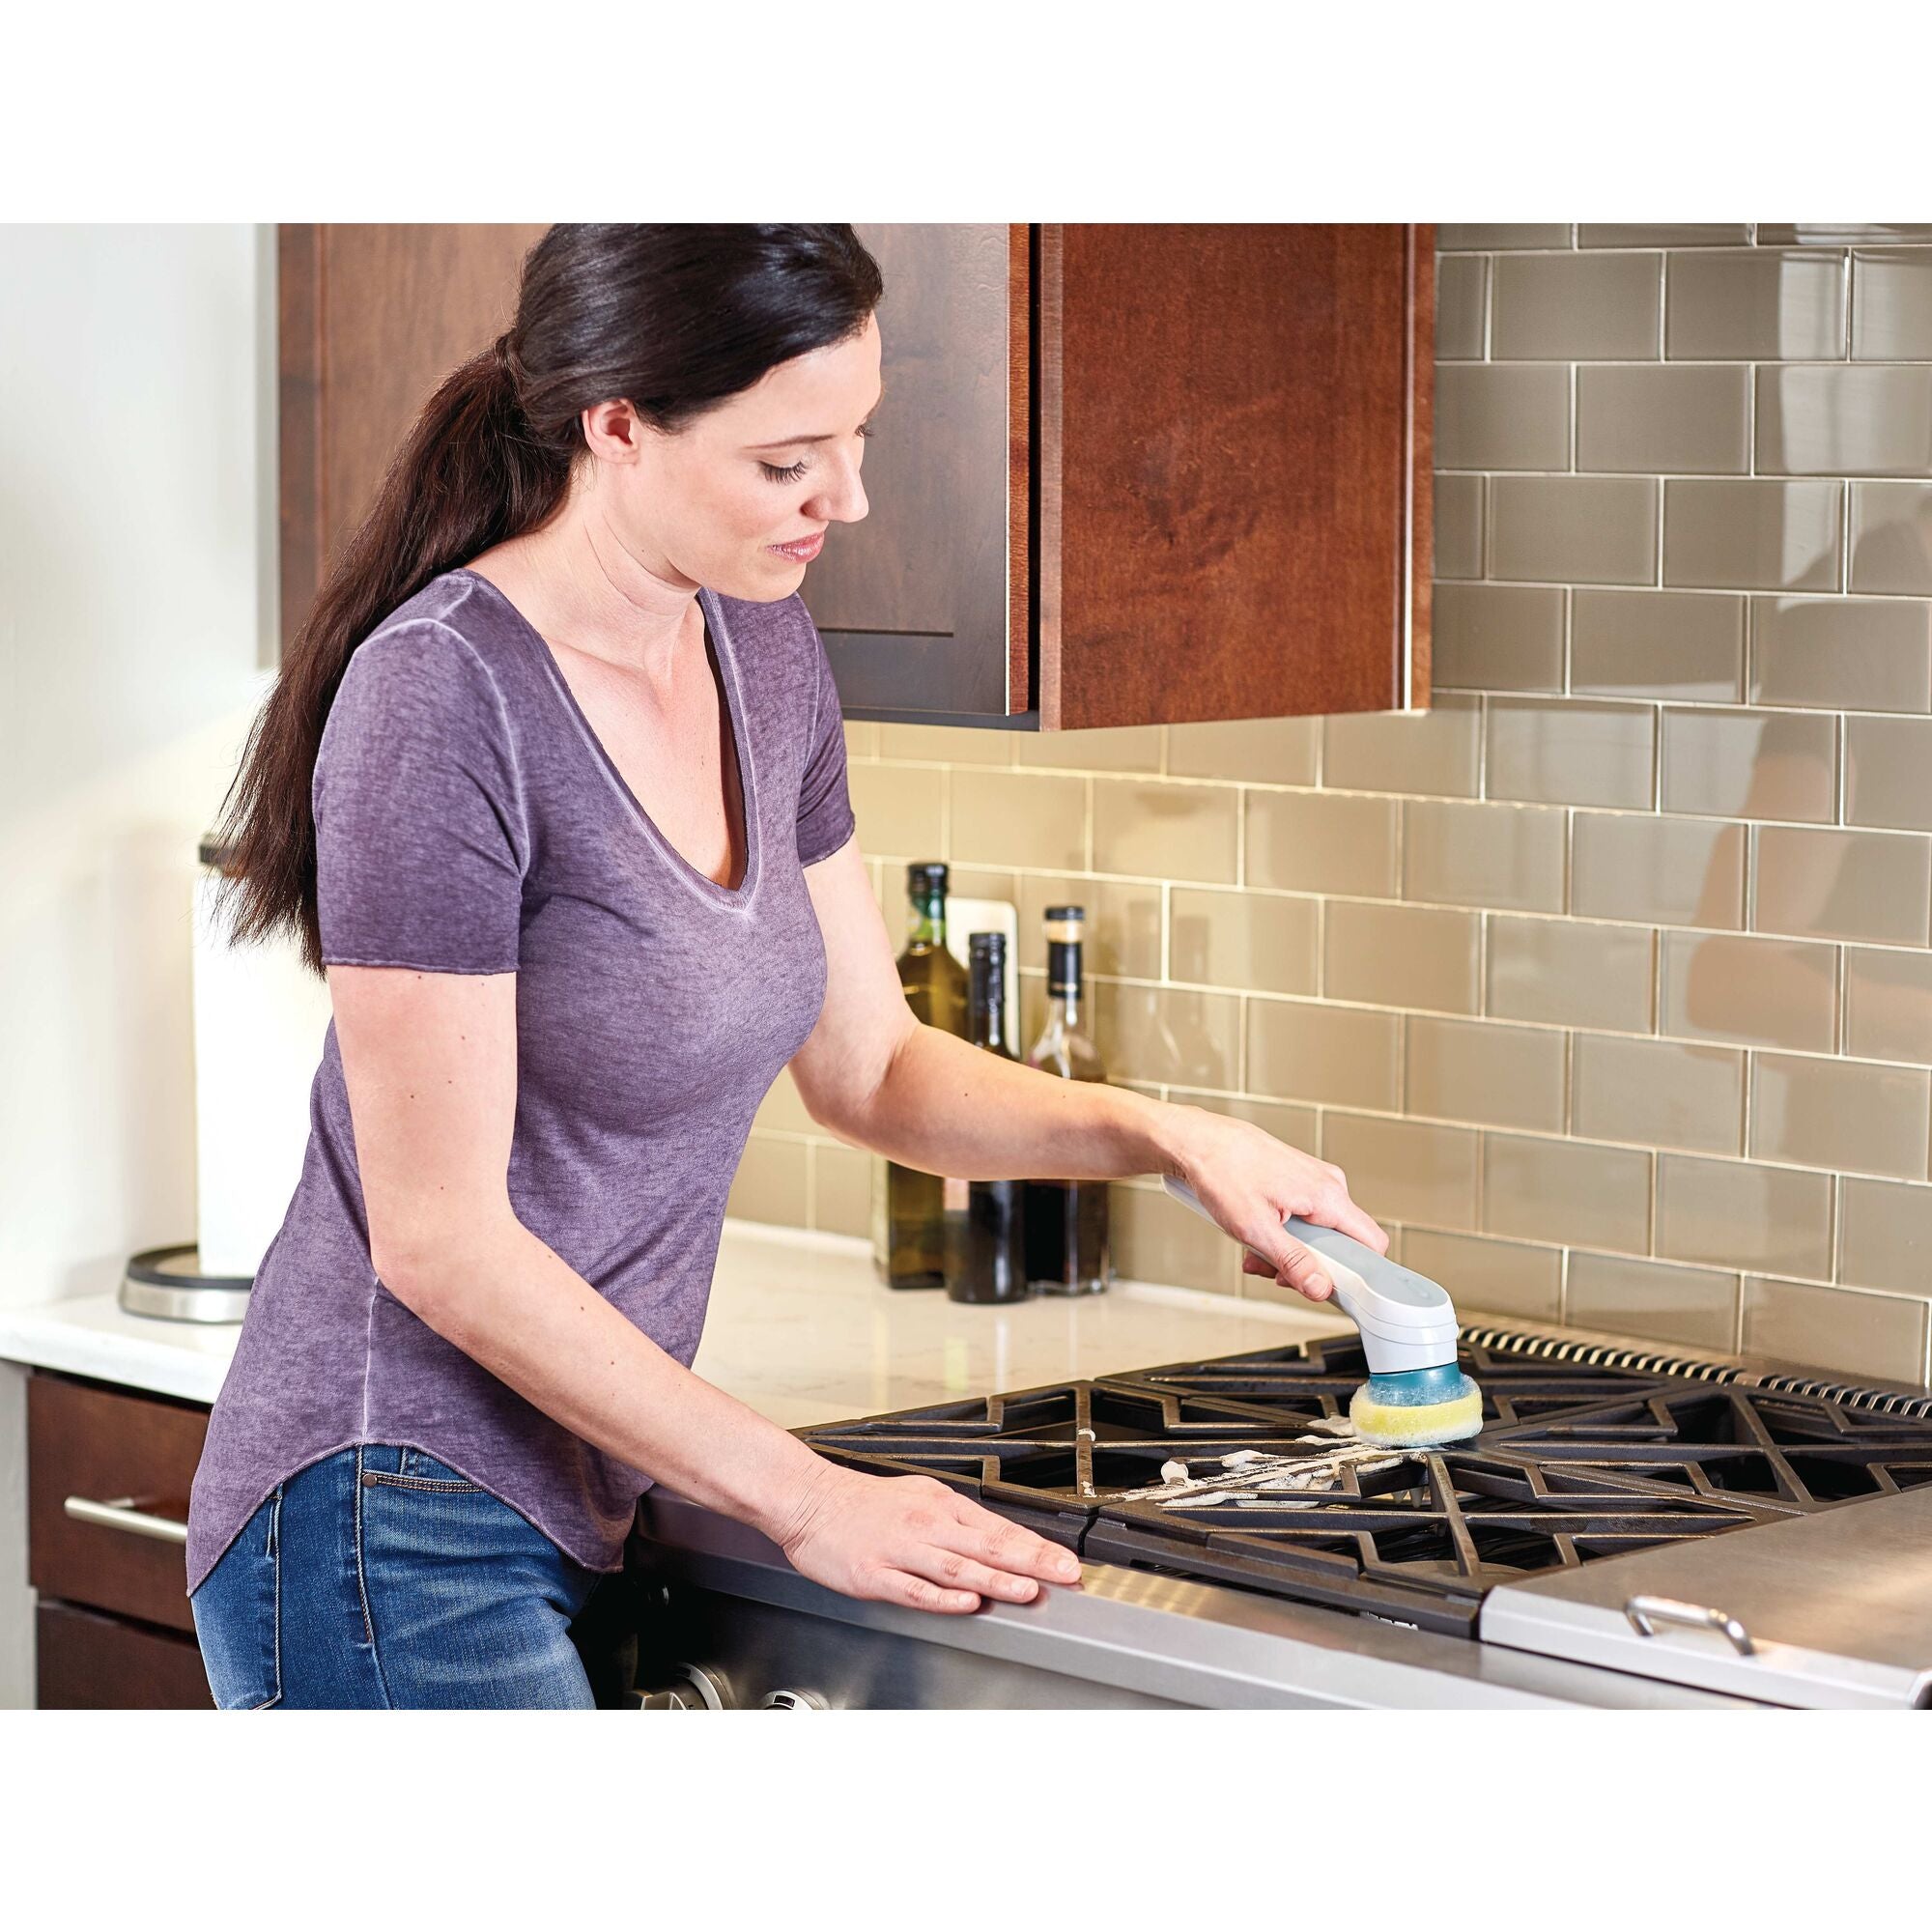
[(798, 468)]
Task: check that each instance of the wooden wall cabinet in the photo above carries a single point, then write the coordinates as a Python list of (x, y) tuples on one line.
[(1123, 474)]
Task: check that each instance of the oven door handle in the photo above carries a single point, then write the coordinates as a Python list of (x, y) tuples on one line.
[(1647, 1612), (121, 1513)]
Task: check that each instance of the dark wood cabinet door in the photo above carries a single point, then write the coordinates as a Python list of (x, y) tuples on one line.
[(1234, 456), (373, 316), (89, 1663), (923, 602)]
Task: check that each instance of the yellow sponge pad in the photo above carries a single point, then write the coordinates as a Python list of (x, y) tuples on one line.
[(1420, 1425)]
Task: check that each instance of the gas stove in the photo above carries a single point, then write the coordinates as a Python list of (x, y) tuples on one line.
[(1237, 1482)]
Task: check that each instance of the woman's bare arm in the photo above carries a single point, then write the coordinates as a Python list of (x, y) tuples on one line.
[(430, 1062)]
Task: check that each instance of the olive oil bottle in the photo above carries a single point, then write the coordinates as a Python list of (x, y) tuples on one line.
[(986, 1258), (910, 1246), (1068, 1251)]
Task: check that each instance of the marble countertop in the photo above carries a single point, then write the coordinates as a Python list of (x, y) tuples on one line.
[(799, 1328)]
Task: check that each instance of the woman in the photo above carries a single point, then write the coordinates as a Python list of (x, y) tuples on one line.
[(553, 786)]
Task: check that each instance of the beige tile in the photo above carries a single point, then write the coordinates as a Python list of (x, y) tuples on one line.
[(1502, 415), (1751, 764), (1321, 842), (1661, 643), (1397, 956), (1402, 1170), (1674, 420), (1885, 1234), (771, 1184), (1130, 747), (1665, 871), (1262, 750), (1435, 750), (1295, 1126), (1155, 1238), (1569, 1191), (1848, 420), (1844, 885), (1841, 653), (782, 1111), (1483, 855), (1841, 1114), (1892, 538), (1498, 637), (1249, 940), (1459, 525), (1333, 1055), (1760, 992), (1652, 1300), (1751, 535), (1567, 973), (1891, 305), (1487, 1276), (899, 809), (1166, 831), (1567, 308), (1887, 763), (1888, 1004), (1570, 751), (1657, 1093), (841, 1189), (1877, 1335), (1482, 1072), (1461, 307), (1753, 304), (862, 739), (946, 744), (1123, 933), (1734, 1213), (1573, 530), (1011, 818), (1502, 235), (1868, 232), (1163, 1034), (971, 882), (1661, 234)]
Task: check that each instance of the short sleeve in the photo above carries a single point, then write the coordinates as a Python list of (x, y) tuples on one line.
[(824, 802), (420, 846)]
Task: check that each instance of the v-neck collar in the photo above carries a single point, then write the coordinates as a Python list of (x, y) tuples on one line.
[(740, 895)]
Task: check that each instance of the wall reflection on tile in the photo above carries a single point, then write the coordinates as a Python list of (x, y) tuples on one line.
[(1844, 421), (1404, 1170), (1435, 751), (1759, 992), (1013, 818), (1484, 1073), (1321, 842), (1169, 1034), (1568, 973), (1483, 855), (1571, 753), (1892, 538), (1498, 637), (1667, 872), (1841, 653), (1253, 941), (1751, 764), (1575, 308), (1753, 305), (1891, 304), (1841, 1114), (1573, 530), (1126, 747), (1844, 885), (1333, 1055), (1885, 1234), (1399, 956), (1751, 534), (1664, 644), (1657, 1093), (1123, 934), (1653, 1300), (1486, 1275), (1569, 1191), (1166, 831), (1738, 1215), (1688, 419), (1887, 763), (1265, 750), (1888, 1004), (1876, 1335)]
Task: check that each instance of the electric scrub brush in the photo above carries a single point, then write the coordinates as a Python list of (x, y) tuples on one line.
[(1416, 1396)]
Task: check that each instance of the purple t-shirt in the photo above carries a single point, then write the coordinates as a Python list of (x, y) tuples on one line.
[(469, 821)]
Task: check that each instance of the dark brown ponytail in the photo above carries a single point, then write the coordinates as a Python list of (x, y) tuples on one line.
[(676, 317)]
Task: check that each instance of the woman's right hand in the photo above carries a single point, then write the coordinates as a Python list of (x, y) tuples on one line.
[(911, 1540)]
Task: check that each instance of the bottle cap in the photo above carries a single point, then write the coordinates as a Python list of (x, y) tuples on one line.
[(1065, 925), (988, 946), (929, 876)]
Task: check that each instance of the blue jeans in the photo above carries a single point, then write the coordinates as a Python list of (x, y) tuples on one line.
[(380, 1579)]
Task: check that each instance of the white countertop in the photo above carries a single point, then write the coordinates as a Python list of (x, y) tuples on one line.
[(799, 1328)]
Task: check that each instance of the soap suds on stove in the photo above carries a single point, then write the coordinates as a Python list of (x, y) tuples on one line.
[(1250, 1479)]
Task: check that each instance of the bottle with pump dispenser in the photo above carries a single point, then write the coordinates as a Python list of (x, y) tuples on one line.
[(986, 1259), (1068, 1251), (908, 1210)]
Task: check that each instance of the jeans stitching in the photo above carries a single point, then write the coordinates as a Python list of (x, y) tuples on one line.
[(276, 1554), (382, 1479), (362, 1587)]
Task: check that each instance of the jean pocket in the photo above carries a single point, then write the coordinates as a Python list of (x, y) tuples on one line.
[(415, 1469), (238, 1615)]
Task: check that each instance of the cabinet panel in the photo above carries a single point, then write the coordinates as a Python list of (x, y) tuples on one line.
[(1233, 469), (922, 603), (106, 1447), (89, 1663)]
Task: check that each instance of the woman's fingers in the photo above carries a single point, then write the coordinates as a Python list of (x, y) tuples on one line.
[(994, 1553), (900, 1586)]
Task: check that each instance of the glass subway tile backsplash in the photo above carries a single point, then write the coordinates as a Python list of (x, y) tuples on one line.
[(1608, 981)]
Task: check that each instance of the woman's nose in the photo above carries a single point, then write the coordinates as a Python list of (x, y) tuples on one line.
[(843, 500)]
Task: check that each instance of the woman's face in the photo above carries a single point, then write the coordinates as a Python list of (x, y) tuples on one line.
[(774, 464)]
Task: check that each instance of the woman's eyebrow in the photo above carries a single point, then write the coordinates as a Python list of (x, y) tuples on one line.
[(786, 442)]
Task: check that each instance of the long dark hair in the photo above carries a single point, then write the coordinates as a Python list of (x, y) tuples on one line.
[(674, 317)]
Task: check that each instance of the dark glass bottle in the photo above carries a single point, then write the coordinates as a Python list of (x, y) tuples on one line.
[(986, 1233), (914, 1234), (1067, 1246)]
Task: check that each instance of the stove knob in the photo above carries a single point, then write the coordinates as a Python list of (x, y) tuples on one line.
[(696, 1688), (795, 1701)]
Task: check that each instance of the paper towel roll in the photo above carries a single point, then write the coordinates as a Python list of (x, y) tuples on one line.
[(260, 1017)]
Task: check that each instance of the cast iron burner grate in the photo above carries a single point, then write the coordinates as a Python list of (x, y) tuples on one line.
[(1581, 1457)]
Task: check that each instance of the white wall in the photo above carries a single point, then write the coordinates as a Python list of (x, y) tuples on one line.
[(136, 603)]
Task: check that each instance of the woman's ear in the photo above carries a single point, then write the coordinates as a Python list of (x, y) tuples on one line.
[(613, 431)]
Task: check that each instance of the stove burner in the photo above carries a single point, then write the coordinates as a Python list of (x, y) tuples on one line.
[(1578, 1459)]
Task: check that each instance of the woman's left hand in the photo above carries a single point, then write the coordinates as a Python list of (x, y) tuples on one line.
[(1251, 1182)]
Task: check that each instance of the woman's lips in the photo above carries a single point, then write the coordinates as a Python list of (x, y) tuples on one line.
[(799, 553)]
